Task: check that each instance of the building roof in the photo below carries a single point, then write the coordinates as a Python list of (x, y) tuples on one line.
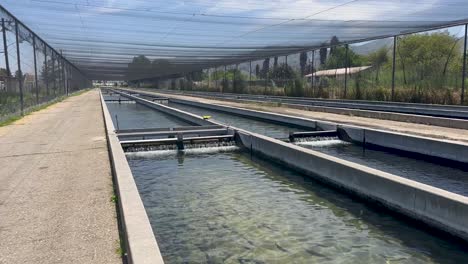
[(339, 71)]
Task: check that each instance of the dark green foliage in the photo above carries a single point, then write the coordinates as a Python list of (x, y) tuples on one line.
[(378, 59), (338, 59), (303, 62), (265, 68), (143, 68), (323, 56), (283, 71), (333, 42)]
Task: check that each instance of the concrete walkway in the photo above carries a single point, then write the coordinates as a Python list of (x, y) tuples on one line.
[(56, 187), (402, 127)]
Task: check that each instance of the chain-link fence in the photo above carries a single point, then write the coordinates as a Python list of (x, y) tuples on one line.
[(31, 72)]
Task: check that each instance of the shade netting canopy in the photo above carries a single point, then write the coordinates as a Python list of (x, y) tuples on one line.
[(101, 37)]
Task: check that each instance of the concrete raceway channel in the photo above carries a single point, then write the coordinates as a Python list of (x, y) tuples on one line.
[(434, 207)]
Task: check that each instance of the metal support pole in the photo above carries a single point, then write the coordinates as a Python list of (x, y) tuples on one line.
[(35, 70), (312, 69), (395, 38), (267, 78), (250, 74), (54, 73), (209, 79), (46, 74), (225, 79), (462, 99), (234, 80), (5, 48), (216, 76), (346, 71), (63, 74), (20, 74), (69, 78)]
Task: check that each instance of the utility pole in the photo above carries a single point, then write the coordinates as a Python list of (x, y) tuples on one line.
[(462, 99), (20, 74), (394, 66), (35, 70), (346, 71)]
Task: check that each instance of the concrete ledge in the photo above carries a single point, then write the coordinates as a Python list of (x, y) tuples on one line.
[(435, 207), (445, 149), (140, 242)]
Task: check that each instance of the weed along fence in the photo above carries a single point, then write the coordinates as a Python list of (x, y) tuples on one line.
[(31, 71)]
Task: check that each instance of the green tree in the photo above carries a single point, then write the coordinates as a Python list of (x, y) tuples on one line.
[(265, 68), (160, 67), (338, 59), (3, 72), (323, 56), (294, 84), (139, 68), (303, 62), (377, 59), (333, 43), (428, 55)]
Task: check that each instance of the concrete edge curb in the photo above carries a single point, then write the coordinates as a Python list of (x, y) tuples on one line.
[(140, 241)]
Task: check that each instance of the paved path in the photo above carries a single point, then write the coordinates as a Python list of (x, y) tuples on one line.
[(403, 127), (56, 187)]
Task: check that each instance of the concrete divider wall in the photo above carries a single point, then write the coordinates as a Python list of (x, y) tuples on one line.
[(456, 151), (141, 245), (435, 207)]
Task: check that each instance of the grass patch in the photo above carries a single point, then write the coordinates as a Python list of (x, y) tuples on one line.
[(39, 107), (114, 199), (120, 249)]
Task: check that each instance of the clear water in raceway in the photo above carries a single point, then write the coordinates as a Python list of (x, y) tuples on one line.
[(229, 207)]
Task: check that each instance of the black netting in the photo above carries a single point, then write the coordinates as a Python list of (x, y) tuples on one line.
[(103, 37)]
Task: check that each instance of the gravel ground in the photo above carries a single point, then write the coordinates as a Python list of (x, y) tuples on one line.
[(56, 187)]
